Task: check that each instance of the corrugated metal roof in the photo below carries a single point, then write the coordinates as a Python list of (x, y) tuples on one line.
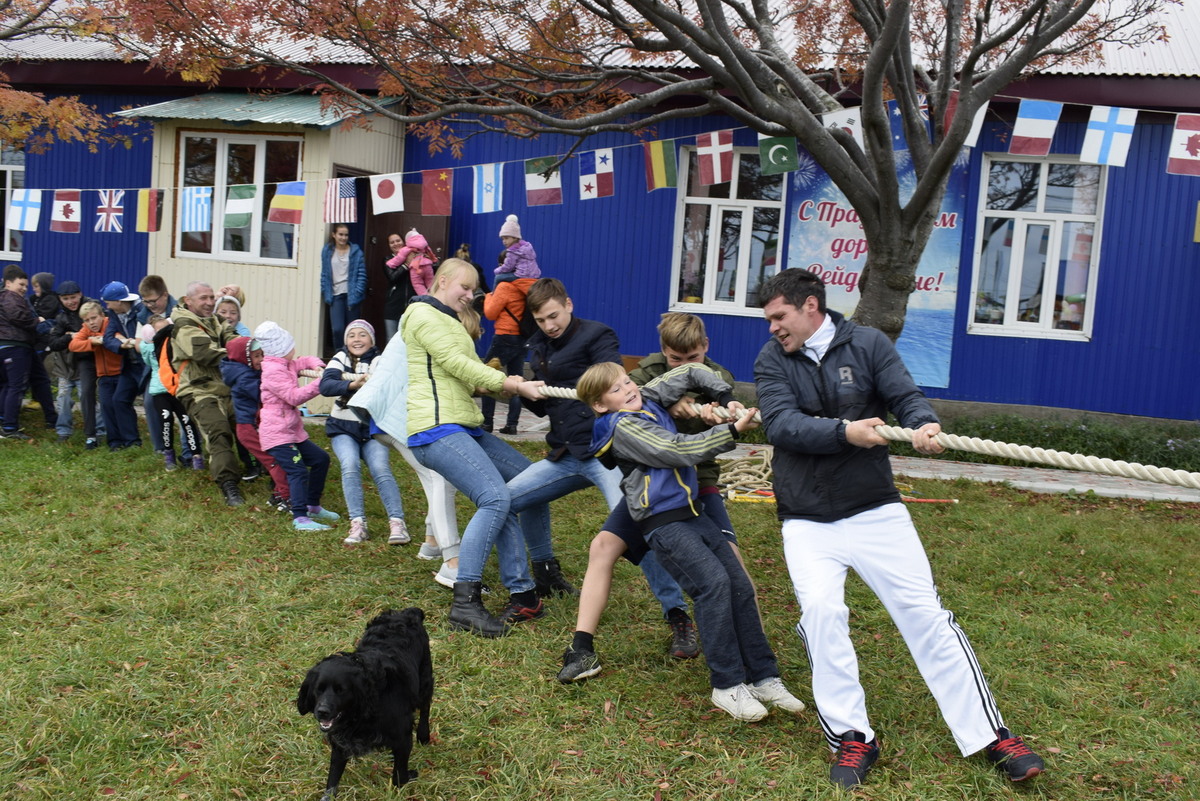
[(1177, 57), (243, 108)]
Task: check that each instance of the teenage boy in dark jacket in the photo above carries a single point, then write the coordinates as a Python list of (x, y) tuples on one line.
[(563, 348), (76, 370)]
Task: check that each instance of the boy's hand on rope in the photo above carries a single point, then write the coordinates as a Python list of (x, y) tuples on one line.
[(925, 439)]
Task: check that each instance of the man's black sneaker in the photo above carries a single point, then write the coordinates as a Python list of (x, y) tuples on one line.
[(13, 433), (854, 758), (1011, 755), (578, 665), (515, 612), (684, 643)]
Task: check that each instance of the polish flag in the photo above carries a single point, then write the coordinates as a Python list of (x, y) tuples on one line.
[(64, 217), (716, 157)]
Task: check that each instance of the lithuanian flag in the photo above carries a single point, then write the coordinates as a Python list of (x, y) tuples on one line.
[(288, 204), (660, 164)]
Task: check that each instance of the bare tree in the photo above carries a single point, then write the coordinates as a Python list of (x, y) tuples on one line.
[(592, 66)]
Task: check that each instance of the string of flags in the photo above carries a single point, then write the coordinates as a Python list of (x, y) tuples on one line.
[(1106, 141)]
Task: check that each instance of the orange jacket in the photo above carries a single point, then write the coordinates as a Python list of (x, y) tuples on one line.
[(107, 362), (510, 296)]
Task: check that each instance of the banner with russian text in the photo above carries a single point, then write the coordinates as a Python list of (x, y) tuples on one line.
[(826, 238)]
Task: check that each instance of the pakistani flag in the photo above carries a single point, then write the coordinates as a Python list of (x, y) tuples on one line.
[(239, 206), (777, 154)]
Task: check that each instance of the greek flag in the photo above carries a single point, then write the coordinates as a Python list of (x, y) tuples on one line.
[(196, 209)]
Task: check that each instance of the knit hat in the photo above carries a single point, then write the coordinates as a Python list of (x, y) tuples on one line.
[(275, 341), (230, 298), (115, 290), (511, 227), (146, 333), (69, 288), (364, 325), (413, 239), (238, 349)]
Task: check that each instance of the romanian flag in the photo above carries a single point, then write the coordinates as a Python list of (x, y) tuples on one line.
[(288, 204), (660, 164), (149, 210)]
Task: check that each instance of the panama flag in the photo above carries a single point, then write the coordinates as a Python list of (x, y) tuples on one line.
[(716, 157), (110, 211), (196, 209), (1109, 134), (24, 209), (387, 193), (596, 174), (542, 187), (287, 206), (1034, 128), (64, 216), (1183, 156), (239, 206), (489, 187)]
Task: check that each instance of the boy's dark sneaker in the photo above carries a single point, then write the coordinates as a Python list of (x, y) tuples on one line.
[(684, 643), (91, 444), (1011, 755), (13, 433), (514, 612), (233, 494), (280, 504), (854, 758), (169, 463), (509, 431), (578, 665)]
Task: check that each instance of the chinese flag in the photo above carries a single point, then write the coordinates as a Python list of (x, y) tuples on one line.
[(436, 189)]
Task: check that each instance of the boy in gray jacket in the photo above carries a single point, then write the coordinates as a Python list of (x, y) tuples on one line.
[(660, 487)]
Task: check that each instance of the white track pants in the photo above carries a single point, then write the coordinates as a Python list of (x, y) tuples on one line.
[(883, 548)]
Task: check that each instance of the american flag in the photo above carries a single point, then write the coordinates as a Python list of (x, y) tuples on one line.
[(340, 201), (110, 211)]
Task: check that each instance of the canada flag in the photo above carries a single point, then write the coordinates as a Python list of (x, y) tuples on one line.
[(64, 218)]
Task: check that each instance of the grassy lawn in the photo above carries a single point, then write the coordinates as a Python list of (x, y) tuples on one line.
[(154, 640)]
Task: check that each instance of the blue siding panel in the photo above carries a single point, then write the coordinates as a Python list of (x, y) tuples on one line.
[(88, 257)]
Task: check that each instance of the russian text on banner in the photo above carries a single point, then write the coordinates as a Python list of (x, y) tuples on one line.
[(288, 204)]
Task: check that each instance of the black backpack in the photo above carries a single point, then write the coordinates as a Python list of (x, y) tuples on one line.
[(525, 323)]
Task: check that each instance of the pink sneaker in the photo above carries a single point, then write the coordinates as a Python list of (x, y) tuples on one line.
[(358, 532), (397, 532)]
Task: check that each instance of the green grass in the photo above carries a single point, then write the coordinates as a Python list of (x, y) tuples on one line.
[(154, 640)]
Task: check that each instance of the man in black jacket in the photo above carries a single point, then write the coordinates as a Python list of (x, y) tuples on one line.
[(74, 370), (824, 384), (562, 349)]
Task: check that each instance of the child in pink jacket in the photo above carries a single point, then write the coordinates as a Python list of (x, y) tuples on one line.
[(281, 429), (418, 259)]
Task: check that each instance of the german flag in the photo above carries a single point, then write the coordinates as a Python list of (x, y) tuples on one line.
[(149, 210)]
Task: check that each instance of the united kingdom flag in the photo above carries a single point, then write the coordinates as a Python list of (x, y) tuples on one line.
[(110, 211)]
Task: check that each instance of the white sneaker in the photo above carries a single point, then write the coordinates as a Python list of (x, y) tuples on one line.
[(771, 692), (446, 575), (429, 552), (739, 703), (358, 532), (398, 532)]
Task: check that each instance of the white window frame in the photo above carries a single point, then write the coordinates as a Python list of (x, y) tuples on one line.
[(1010, 326), (720, 206), (12, 176), (221, 190)]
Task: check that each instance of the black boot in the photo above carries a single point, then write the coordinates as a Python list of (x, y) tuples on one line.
[(467, 612), (233, 494), (548, 578)]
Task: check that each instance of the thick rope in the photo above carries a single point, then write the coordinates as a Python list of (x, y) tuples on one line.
[(1025, 453)]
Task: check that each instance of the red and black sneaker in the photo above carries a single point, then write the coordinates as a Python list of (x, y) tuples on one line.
[(854, 758), (516, 612), (1011, 755)]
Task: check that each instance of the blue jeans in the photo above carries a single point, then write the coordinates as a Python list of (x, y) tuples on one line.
[(478, 467), (510, 350), (306, 467), (340, 315), (547, 481), (698, 556), (85, 382), (349, 451)]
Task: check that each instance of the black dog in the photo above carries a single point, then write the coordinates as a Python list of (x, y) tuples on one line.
[(365, 700)]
